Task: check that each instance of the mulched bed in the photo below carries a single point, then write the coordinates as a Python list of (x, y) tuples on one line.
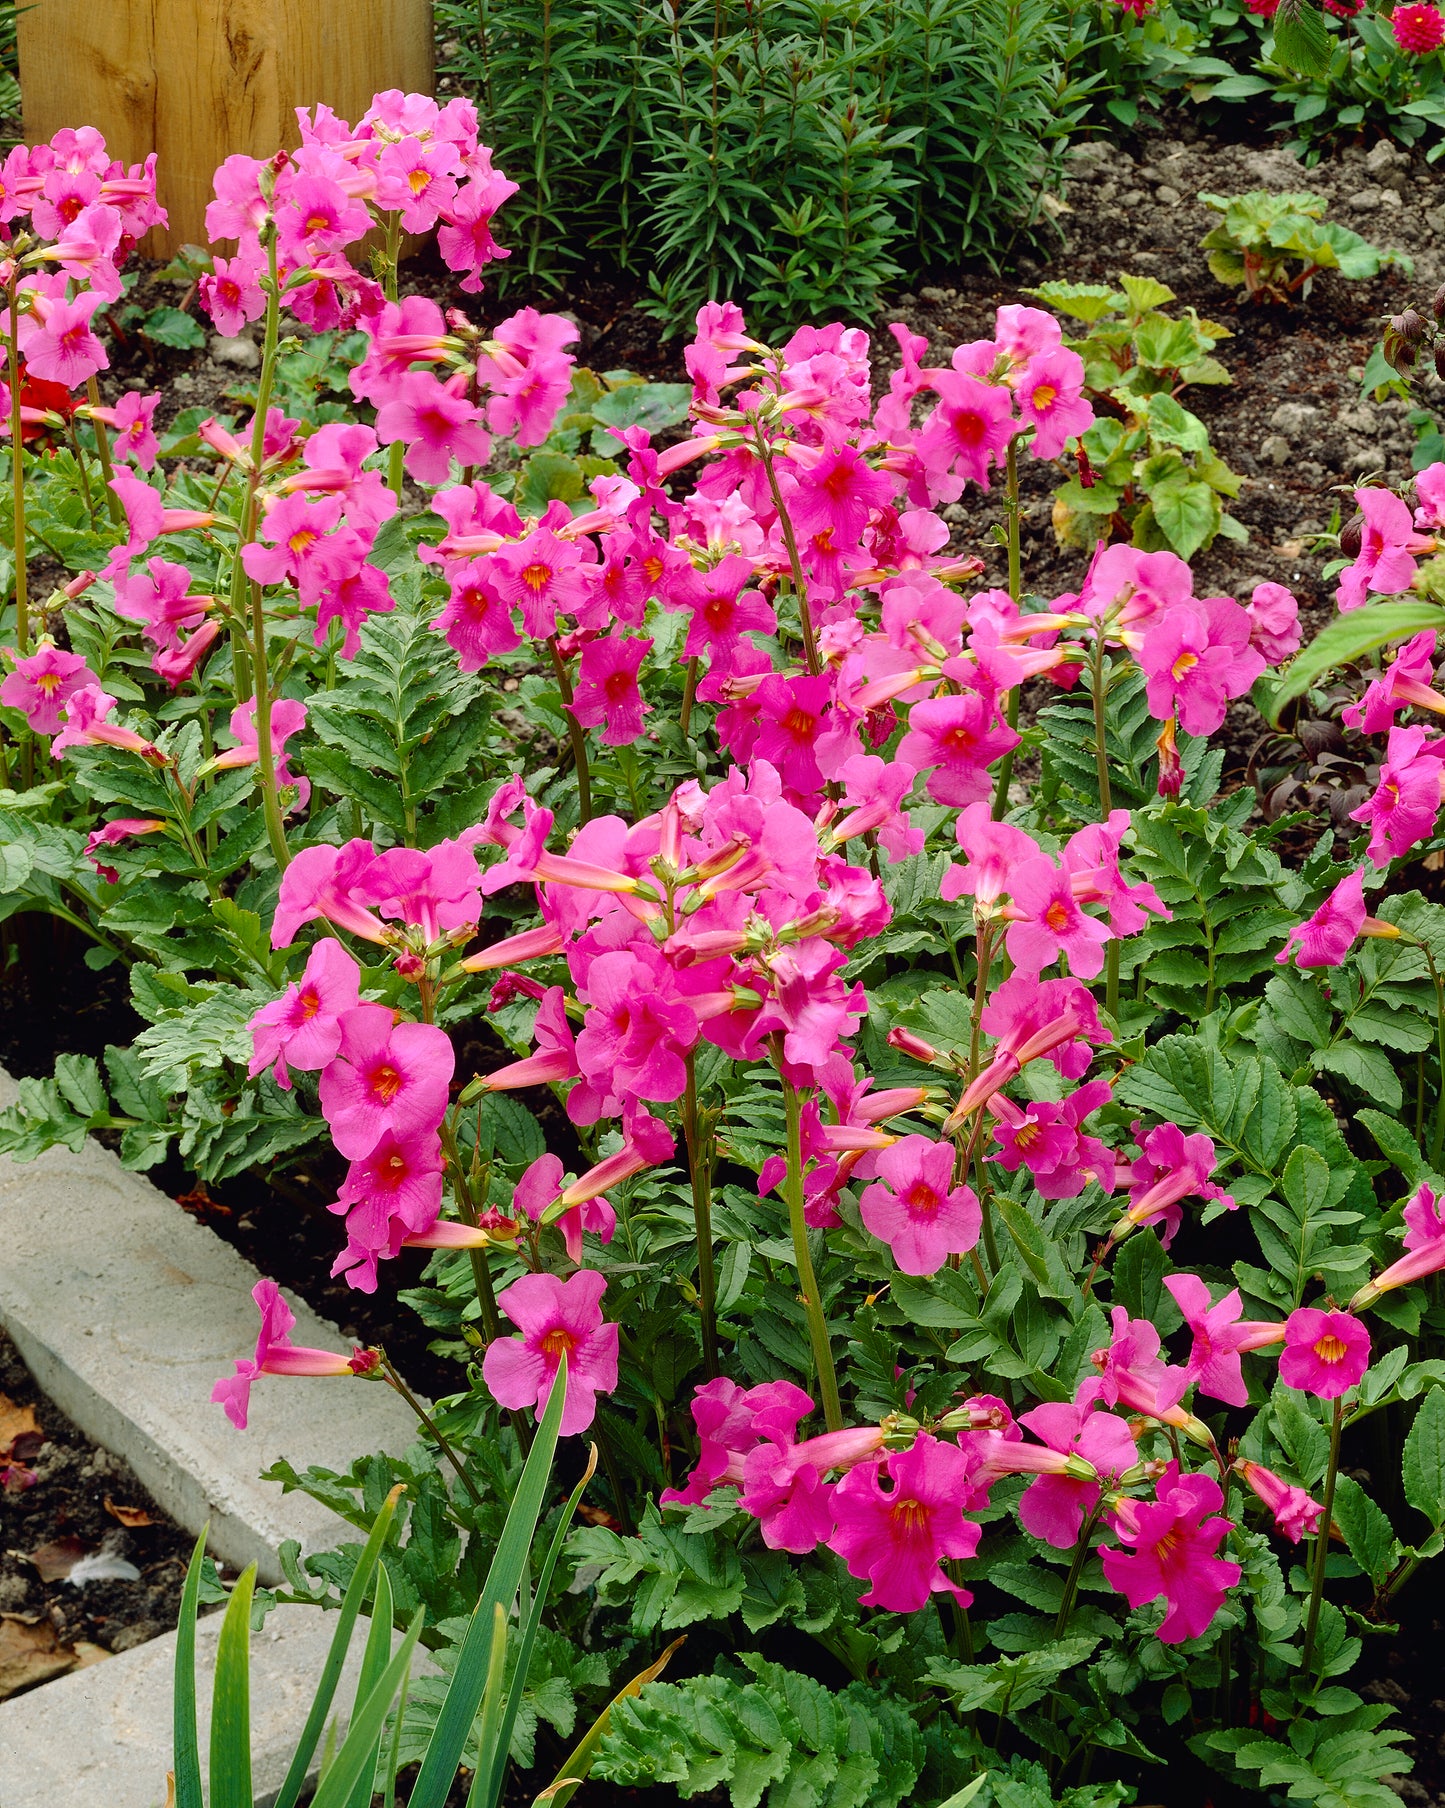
[(83, 1504)]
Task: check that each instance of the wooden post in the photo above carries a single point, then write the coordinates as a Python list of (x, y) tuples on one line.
[(196, 80)]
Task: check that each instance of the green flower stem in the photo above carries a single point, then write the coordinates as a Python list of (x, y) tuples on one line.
[(689, 691), (1322, 1539), (807, 1280), (576, 732), (17, 474), (1437, 1138), (790, 540), (396, 454), (1015, 590), (432, 1429), (102, 447), (1101, 767), (699, 1163)]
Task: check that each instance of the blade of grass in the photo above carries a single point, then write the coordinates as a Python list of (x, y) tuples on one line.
[(477, 1795), (336, 1655), (463, 1697), (358, 1749), (373, 1667), (231, 1702), (186, 1741), (529, 1638)]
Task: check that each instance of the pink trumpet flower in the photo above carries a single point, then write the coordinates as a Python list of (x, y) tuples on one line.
[(1325, 1353), (895, 1537), (277, 1355), (1424, 1249), (1295, 1514), (1172, 1541), (303, 1027), (557, 1319), (42, 683)]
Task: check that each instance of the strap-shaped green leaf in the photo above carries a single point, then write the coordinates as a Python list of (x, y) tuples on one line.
[(373, 1667), (336, 1655), (231, 1702), (1347, 638), (529, 1640), (186, 1742), (469, 1680), (478, 1796), (358, 1749)]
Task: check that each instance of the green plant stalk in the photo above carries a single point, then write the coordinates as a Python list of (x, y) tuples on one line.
[(102, 447), (699, 1167), (576, 733), (807, 1280), (1437, 1136), (1322, 1540), (17, 475), (1101, 767), (432, 1429), (1015, 590), (396, 454), (790, 540)]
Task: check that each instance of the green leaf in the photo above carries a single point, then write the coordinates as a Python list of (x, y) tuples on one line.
[(169, 326), (374, 1660), (1188, 515), (231, 1701), (650, 405), (185, 1740), (469, 1680), (1365, 1529), (1423, 1460), (1302, 43), (1349, 638), (358, 1749)]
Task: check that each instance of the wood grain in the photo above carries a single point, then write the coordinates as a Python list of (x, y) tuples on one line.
[(196, 80)]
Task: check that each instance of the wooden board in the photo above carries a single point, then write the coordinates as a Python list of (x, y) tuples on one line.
[(196, 80)]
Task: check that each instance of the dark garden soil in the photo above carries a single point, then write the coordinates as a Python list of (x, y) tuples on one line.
[(1292, 424), (82, 1509)]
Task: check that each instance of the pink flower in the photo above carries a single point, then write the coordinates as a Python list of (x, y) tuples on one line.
[(1295, 1514), (894, 1538), (1046, 1138), (837, 495), (1134, 588), (1419, 28), (954, 739), (231, 292), (1171, 1167), (915, 1207), (64, 349), (1327, 937), (288, 717), (387, 1077), (1325, 1353), (84, 716), (723, 610), (1384, 563), (1173, 1544), (319, 883), (1424, 1249), (730, 1420), (992, 850), (1407, 798), (1049, 390), (437, 424), (120, 828), (1408, 681), (1196, 657), (159, 598), (42, 683), (967, 432), (638, 1029), (1219, 1338), (1053, 1507), (1274, 630), (132, 419), (785, 1489), (1030, 1018), (1131, 1374), (302, 1028), (790, 717), (476, 623), (393, 1191), (607, 694), (1049, 923), (541, 1185), (524, 404), (277, 1355), (557, 1319), (542, 573), (465, 236)]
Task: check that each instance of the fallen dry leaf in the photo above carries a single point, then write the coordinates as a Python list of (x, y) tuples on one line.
[(87, 1654), (128, 1516), (56, 1559), (30, 1655), (16, 1422)]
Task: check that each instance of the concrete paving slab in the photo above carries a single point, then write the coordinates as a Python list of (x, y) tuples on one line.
[(126, 1310), (103, 1734)]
